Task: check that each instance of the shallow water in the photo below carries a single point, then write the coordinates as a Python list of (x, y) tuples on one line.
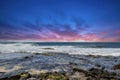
[(13, 55)]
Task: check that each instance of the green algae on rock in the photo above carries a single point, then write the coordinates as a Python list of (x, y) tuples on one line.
[(53, 76), (22, 76)]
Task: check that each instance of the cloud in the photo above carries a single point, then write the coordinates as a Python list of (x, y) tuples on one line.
[(57, 32)]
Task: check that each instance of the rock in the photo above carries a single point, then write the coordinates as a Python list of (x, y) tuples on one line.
[(93, 56), (48, 48), (53, 76), (32, 79), (17, 77), (2, 73), (71, 63), (28, 57), (78, 76), (97, 73), (97, 65), (116, 67), (44, 54), (100, 74), (79, 70), (51, 53), (22, 76)]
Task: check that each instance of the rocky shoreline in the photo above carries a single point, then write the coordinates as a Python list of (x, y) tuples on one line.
[(77, 74), (60, 66)]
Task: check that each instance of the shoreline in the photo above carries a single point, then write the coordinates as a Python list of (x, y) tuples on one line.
[(57, 62)]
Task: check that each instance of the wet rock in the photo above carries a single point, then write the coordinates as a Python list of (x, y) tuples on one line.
[(97, 73), (116, 67), (2, 73), (51, 53), (32, 79), (48, 48), (71, 63), (100, 74), (53, 76), (78, 76), (22, 76), (59, 62), (17, 77), (28, 57), (97, 65), (44, 54), (79, 70), (93, 56)]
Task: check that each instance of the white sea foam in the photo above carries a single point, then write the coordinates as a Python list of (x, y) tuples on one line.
[(29, 48)]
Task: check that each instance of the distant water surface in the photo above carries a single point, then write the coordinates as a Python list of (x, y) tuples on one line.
[(80, 44), (74, 44)]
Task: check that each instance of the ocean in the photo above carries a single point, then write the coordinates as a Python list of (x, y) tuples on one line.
[(83, 48), (75, 44), (55, 55), (81, 44)]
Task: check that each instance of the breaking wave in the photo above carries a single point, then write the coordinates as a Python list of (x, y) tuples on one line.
[(31, 48)]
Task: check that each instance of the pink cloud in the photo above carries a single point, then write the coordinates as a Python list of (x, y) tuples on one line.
[(50, 32)]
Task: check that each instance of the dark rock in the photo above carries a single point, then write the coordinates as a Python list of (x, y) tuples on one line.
[(53, 76), (93, 56), (51, 53), (2, 73), (98, 65), (22, 76), (97, 73), (17, 77), (79, 70), (48, 48), (100, 74), (71, 63), (116, 67), (78, 76), (44, 54), (32, 79), (28, 57)]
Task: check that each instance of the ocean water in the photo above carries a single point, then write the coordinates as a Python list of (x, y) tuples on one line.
[(83, 48), (75, 44), (81, 44)]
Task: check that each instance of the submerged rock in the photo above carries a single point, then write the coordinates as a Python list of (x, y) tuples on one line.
[(51, 53)]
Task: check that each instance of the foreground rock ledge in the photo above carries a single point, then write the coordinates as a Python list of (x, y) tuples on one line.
[(77, 74)]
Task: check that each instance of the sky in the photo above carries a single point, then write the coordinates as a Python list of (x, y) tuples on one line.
[(60, 20)]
